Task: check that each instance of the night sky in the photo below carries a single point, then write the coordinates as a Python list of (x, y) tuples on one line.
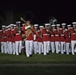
[(40, 11)]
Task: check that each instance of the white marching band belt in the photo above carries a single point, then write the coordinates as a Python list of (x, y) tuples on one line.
[(65, 29), (52, 35), (62, 34), (17, 34), (46, 34), (60, 28), (54, 29), (56, 35), (73, 33)]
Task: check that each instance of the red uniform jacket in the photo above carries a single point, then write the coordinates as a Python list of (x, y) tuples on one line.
[(73, 35), (18, 36), (12, 36), (46, 36), (56, 35), (67, 36), (52, 37), (23, 30), (40, 38)]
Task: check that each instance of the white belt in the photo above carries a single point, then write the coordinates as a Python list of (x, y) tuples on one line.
[(56, 35), (62, 34), (17, 34), (52, 35), (60, 28), (45, 34), (73, 33)]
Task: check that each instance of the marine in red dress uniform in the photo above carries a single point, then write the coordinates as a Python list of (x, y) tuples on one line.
[(3, 39), (23, 35), (40, 40), (73, 37), (67, 39), (35, 39), (52, 39), (9, 40), (13, 38), (57, 41), (62, 38), (46, 38), (29, 39), (18, 38)]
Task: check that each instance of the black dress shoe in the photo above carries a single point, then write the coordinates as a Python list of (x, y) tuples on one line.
[(30, 55), (20, 53)]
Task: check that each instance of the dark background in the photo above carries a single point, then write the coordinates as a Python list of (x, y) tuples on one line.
[(38, 11)]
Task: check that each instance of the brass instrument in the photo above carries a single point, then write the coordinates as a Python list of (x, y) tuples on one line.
[(75, 30), (22, 19), (18, 28), (29, 31), (52, 21)]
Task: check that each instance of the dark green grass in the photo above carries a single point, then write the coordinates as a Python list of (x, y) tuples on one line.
[(38, 70), (50, 58)]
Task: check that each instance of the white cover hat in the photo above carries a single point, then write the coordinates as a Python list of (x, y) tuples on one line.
[(6, 26), (3, 26), (57, 24), (73, 22), (23, 24), (41, 26), (35, 24), (53, 25), (14, 25), (46, 24), (11, 24), (69, 25), (63, 24), (18, 22)]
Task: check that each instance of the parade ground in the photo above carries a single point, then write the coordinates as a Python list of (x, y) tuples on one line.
[(51, 64)]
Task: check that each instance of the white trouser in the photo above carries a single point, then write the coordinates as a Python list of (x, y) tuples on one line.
[(10, 47), (57, 47), (40, 47), (36, 47), (67, 48), (73, 42), (5, 47), (18, 47), (14, 48), (49, 45), (62, 47), (53, 47), (2, 47), (46, 47), (29, 47), (75, 48)]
